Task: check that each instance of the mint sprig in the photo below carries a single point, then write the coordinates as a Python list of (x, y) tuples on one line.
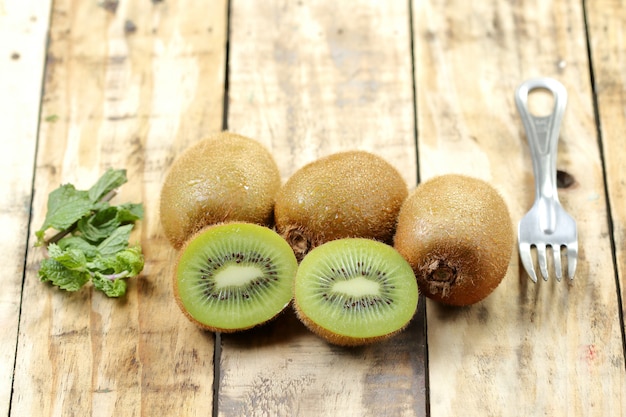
[(92, 239)]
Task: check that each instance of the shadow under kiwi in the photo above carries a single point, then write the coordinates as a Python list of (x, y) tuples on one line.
[(282, 329), (450, 313)]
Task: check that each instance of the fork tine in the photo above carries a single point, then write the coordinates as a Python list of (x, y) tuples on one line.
[(556, 252), (572, 257), (527, 260), (542, 260)]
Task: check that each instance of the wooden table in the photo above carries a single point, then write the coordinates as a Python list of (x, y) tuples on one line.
[(426, 84)]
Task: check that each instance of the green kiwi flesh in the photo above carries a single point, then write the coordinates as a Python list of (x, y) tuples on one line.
[(234, 276), (456, 233), (355, 291), (346, 194), (224, 177)]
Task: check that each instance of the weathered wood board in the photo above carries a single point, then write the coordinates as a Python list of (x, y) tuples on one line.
[(128, 85), (607, 38), (23, 28), (426, 84), (545, 349), (309, 79)]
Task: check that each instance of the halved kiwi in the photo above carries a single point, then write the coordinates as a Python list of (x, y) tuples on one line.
[(355, 291), (346, 194), (234, 276), (456, 233), (225, 177)]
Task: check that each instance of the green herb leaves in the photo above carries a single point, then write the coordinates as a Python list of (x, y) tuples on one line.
[(92, 239)]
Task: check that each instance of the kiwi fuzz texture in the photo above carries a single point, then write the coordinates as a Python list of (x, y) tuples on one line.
[(347, 194), (234, 276), (457, 234), (355, 291), (225, 177)]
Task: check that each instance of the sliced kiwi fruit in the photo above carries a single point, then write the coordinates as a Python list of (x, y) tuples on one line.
[(456, 233), (347, 194), (225, 177), (234, 276), (355, 291)]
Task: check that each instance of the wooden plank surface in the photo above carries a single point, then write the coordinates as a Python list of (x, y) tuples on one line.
[(128, 85), (545, 349), (607, 37), (309, 79), (23, 28), (131, 84)]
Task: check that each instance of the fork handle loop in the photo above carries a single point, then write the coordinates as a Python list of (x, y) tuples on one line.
[(542, 132)]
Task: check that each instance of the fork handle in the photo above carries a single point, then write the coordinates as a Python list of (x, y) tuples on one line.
[(542, 133)]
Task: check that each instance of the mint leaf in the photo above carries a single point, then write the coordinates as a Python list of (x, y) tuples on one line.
[(67, 279), (70, 258), (112, 288), (109, 181), (103, 223), (129, 213), (78, 243), (94, 229), (130, 260), (92, 243), (66, 205), (109, 271), (117, 241)]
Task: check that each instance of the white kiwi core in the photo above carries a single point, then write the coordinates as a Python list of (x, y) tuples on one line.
[(236, 276), (357, 287)]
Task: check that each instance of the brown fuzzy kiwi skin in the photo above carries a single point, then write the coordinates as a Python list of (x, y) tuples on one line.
[(338, 339), (456, 233), (346, 194), (224, 177)]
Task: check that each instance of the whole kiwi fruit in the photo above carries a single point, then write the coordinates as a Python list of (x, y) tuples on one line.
[(355, 291), (456, 233), (224, 177), (346, 194), (234, 276)]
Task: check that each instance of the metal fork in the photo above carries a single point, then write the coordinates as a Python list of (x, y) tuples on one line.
[(547, 224)]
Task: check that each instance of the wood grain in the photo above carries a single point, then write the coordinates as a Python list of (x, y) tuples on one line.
[(131, 84), (309, 79), (607, 37), (128, 85), (313, 79), (545, 349), (23, 28)]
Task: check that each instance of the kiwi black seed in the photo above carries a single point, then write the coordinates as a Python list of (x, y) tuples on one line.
[(355, 291), (234, 276), (347, 194), (225, 177), (456, 233)]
